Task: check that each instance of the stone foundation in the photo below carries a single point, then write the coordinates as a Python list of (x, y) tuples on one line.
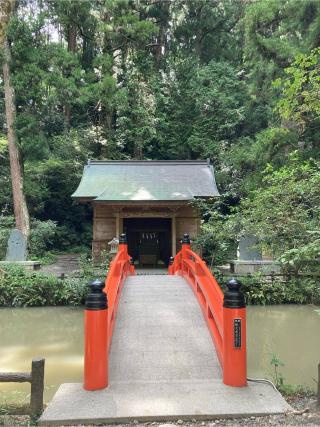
[(28, 265), (245, 267)]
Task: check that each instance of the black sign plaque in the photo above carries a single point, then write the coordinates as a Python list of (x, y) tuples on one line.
[(237, 333)]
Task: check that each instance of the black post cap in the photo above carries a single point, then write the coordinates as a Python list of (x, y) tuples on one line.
[(233, 297), (171, 260), (96, 299), (123, 238), (186, 239)]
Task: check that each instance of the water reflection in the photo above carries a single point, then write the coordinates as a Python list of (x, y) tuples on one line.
[(292, 333), (56, 333)]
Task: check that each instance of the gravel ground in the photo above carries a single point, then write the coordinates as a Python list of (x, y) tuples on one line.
[(305, 413)]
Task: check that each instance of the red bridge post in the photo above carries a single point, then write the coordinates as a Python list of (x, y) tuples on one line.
[(100, 314), (123, 243), (131, 267), (170, 268), (184, 250), (234, 336), (123, 246), (96, 338)]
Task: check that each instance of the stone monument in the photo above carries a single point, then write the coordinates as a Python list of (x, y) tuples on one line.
[(17, 251), (249, 249), (17, 246), (250, 258)]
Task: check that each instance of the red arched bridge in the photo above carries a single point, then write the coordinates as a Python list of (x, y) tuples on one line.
[(148, 355), (225, 314)]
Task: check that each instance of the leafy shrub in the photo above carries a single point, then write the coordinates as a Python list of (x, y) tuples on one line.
[(68, 238), (20, 288), (6, 225), (296, 290), (89, 268), (41, 236)]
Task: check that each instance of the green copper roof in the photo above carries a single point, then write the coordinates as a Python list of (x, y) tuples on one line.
[(146, 181)]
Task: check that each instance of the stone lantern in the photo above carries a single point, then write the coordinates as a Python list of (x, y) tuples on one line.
[(114, 244)]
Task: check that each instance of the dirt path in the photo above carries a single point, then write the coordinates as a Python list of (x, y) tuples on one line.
[(64, 264)]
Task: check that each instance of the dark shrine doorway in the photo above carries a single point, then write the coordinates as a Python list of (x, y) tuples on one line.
[(149, 240)]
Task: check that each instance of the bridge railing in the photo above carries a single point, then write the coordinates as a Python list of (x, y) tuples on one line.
[(100, 315), (225, 314)]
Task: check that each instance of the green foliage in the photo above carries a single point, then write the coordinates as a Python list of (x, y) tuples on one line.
[(275, 32), (218, 113), (90, 269), (281, 385), (41, 236), (21, 288), (207, 29), (284, 214), (6, 225), (299, 103), (171, 80), (49, 187), (260, 290), (217, 242), (277, 363)]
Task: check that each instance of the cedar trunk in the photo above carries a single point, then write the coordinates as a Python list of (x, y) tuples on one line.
[(19, 202), (72, 47)]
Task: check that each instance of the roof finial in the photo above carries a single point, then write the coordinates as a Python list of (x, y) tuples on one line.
[(89, 161)]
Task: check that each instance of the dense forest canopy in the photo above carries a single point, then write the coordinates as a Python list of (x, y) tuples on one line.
[(236, 81)]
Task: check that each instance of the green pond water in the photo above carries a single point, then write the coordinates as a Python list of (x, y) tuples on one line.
[(56, 333)]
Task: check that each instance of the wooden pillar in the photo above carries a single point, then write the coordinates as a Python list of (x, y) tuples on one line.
[(117, 225), (37, 386), (173, 235)]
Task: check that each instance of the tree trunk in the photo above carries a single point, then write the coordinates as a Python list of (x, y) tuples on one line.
[(72, 47), (164, 8), (72, 37), (19, 202)]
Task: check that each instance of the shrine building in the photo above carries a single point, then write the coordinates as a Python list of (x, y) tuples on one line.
[(150, 201)]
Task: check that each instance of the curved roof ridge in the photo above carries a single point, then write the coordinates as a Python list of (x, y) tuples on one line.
[(148, 162)]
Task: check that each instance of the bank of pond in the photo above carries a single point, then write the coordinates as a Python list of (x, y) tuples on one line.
[(20, 288), (289, 333)]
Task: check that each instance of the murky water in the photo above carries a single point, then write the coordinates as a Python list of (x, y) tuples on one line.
[(290, 332)]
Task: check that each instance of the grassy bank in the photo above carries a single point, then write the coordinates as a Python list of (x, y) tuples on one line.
[(260, 290), (22, 288)]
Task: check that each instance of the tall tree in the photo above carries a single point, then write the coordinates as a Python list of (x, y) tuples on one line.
[(19, 202)]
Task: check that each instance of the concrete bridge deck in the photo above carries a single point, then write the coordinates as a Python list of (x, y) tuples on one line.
[(162, 365)]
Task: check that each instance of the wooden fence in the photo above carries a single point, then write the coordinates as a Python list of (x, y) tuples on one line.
[(35, 377)]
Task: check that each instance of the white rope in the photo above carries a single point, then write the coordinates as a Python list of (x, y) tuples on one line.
[(262, 380)]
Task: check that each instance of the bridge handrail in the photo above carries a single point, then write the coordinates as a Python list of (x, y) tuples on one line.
[(119, 269), (191, 266), (100, 315), (223, 319)]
